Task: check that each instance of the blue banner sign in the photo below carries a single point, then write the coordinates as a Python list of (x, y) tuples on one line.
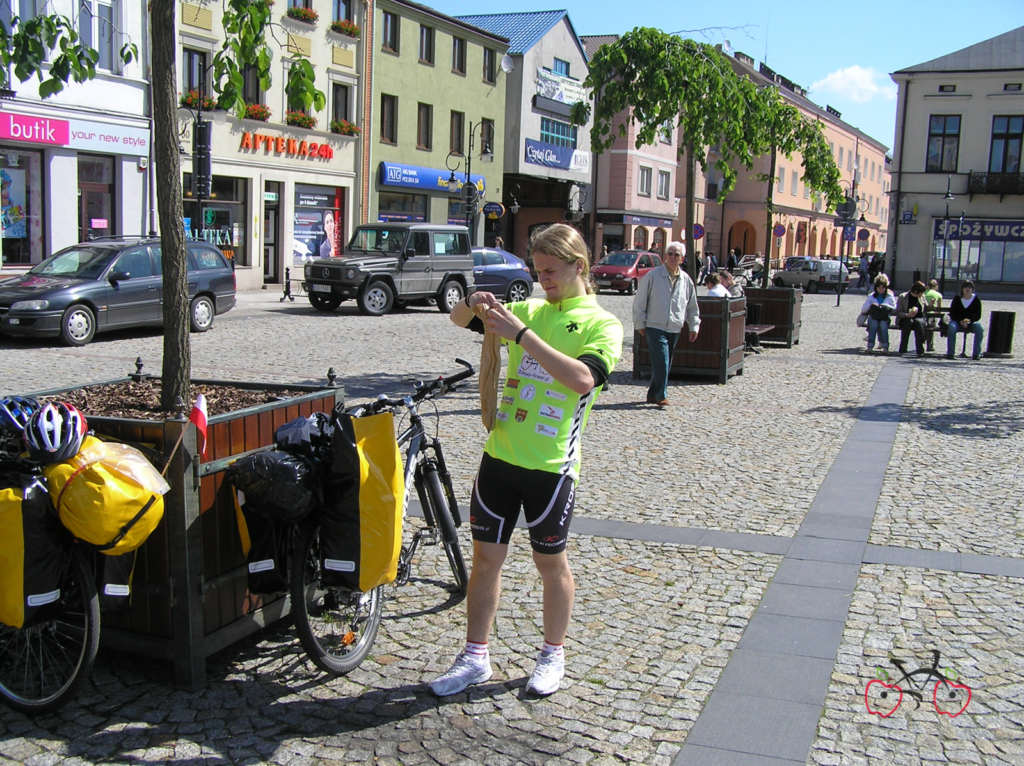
[(417, 177), (972, 229), (640, 220), (551, 156)]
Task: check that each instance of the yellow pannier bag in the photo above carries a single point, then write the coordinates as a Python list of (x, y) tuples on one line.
[(361, 522), (108, 495)]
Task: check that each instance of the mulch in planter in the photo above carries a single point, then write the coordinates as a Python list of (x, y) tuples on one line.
[(141, 400)]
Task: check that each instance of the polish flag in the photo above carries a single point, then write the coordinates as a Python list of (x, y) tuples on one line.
[(198, 416)]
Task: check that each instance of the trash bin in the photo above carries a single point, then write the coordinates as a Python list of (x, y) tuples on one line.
[(1000, 333)]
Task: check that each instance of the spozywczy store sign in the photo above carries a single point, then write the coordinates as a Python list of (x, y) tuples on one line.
[(75, 134)]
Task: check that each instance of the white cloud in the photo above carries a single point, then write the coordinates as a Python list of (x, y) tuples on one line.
[(858, 84)]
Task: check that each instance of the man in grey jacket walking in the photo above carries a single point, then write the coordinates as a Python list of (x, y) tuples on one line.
[(665, 300)]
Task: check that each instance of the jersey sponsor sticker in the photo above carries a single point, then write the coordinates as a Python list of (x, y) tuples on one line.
[(552, 394), (508, 400), (530, 368), (545, 430), (501, 415), (520, 415), (527, 392), (513, 383), (549, 411)]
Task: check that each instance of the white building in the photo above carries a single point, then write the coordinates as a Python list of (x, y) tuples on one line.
[(77, 164), (958, 187)]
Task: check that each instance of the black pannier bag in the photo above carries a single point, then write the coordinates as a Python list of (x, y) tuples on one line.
[(265, 546), (310, 437), (114, 581), (277, 484), (33, 550)]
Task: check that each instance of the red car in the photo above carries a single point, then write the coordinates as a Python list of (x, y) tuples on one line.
[(621, 270)]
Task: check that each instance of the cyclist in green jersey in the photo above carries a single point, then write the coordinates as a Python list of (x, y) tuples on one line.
[(561, 351)]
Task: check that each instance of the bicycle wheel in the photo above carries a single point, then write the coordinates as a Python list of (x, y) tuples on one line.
[(41, 665), (337, 626), (443, 519)]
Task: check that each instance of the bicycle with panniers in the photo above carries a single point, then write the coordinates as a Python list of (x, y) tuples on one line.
[(346, 498), (57, 513)]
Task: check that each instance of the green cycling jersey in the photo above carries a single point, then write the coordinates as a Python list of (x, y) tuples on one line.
[(539, 423)]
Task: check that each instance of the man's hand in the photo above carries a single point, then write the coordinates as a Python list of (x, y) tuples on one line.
[(641, 330), (693, 336), (501, 321)]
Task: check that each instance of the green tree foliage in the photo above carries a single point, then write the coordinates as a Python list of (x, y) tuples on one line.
[(26, 45), (781, 128), (247, 26), (660, 81)]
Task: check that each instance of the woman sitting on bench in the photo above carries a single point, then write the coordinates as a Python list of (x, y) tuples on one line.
[(965, 316)]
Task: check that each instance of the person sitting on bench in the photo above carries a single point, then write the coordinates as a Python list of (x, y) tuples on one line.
[(965, 316), (910, 316), (933, 305)]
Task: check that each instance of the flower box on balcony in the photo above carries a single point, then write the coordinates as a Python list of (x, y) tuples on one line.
[(345, 27), (308, 15), (300, 119), (257, 112), (344, 127), (193, 100)]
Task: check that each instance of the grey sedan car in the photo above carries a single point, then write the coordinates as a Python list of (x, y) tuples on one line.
[(109, 284)]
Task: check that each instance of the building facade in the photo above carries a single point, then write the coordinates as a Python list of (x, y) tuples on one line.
[(281, 192), (547, 158), (800, 223), (958, 187), (438, 120), (635, 199), (77, 164)]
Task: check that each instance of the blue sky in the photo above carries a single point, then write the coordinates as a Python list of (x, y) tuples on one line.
[(842, 52)]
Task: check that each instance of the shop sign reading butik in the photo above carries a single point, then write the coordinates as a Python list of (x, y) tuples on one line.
[(82, 135)]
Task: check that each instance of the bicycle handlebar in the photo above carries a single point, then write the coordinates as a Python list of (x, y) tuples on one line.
[(425, 390)]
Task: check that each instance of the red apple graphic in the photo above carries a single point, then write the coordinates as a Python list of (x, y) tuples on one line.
[(888, 693), (947, 697)]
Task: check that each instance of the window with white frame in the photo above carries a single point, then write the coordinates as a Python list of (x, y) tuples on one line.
[(193, 71), (664, 183), (458, 55), (781, 181), (426, 44), (342, 10), (840, 163), (793, 182), (97, 29), (644, 188), (490, 66), (340, 95)]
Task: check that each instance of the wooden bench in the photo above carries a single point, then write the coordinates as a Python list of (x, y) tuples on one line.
[(752, 336)]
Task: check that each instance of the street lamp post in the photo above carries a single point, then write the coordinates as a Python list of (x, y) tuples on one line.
[(848, 215), (468, 188), (945, 240)]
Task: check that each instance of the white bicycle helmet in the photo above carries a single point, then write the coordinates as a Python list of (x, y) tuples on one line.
[(55, 432)]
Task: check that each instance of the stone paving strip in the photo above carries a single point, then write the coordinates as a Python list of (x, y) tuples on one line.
[(955, 480), (976, 623), (653, 627)]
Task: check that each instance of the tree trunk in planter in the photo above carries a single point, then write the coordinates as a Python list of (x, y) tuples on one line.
[(177, 364), (189, 592)]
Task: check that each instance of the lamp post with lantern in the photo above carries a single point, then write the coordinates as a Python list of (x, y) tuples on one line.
[(469, 190), (945, 239)]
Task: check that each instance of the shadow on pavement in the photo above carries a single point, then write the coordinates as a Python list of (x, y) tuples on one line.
[(987, 420)]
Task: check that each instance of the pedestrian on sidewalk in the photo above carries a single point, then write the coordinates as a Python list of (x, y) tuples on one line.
[(665, 300), (965, 316), (561, 350), (880, 305)]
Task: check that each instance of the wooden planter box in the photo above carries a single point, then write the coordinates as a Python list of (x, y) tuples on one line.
[(779, 306), (718, 351), (189, 594)]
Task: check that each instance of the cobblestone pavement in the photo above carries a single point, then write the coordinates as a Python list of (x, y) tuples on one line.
[(655, 622)]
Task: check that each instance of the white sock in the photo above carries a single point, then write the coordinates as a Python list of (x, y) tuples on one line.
[(552, 648), (477, 650)]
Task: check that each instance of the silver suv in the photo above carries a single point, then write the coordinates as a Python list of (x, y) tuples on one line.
[(389, 264), (812, 274)]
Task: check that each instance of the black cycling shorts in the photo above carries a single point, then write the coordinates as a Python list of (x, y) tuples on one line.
[(501, 489)]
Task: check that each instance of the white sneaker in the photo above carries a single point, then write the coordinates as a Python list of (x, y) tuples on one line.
[(465, 671), (548, 674)]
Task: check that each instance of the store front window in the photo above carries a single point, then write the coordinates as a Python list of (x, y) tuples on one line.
[(318, 223), (221, 219), (394, 206), (21, 221), (95, 197)]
